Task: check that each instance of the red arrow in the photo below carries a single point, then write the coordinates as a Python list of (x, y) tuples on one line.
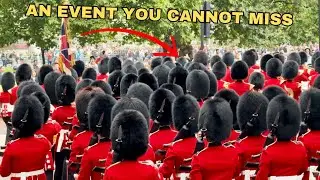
[(171, 50)]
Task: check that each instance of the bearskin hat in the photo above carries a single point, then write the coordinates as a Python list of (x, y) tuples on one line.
[(82, 100), (7, 81), (176, 89), (316, 83), (45, 101), (130, 69), (102, 85), (286, 113), (272, 91), (161, 73), (79, 66), (219, 69), (160, 104), (315, 56), (89, 73), (304, 57), (290, 70), (130, 127), (139, 65), (178, 75), (294, 56), (129, 103), (103, 66), (23, 73), (309, 101), (198, 84), (74, 74), (49, 86), (213, 83), (140, 91), (166, 59), (114, 64), (126, 82), (280, 57), (214, 59), (29, 89), (186, 66), (274, 68), (257, 79), (83, 83), (182, 60), (149, 79), (196, 66), (127, 63), (201, 57), (28, 109), (44, 70), (99, 113), (233, 98), (185, 109), (317, 65), (24, 84), (216, 117), (228, 58), (155, 62), (264, 60), (170, 64), (239, 70), (249, 57), (114, 80), (65, 89), (143, 70), (252, 103)]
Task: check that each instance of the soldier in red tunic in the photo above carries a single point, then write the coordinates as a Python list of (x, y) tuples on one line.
[(99, 112), (219, 69), (300, 76), (25, 156), (129, 135), (285, 157), (185, 113), (289, 73), (218, 160), (309, 103), (126, 82), (251, 113), (161, 133), (274, 71), (317, 71), (65, 91), (114, 81), (198, 85), (103, 70), (7, 82), (44, 70), (257, 79), (239, 72), (250, 58), (23, 73), (49, 86), (232, 97), (178, 75), (228, 59), (263, 64)]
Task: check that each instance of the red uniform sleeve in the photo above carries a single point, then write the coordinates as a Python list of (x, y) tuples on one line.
[(86, 166), (5, 168), (54, 115), (305, 163), (264, 166), (195, 173), (75, 150), (242, 159), (109, 159), (57, 127), (168, 165)]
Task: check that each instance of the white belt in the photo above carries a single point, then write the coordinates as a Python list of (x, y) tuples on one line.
[(311, 170), (61, 139), (248, 174), (183, 176), (297, 177), (24, 175)]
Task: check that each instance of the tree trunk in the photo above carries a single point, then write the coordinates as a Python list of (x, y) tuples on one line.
[(43, 58)]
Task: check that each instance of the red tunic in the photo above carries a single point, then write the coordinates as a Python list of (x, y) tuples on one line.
[(233, 136), (287, 158), (176, 154), (91, 158), (74, 131), (50, 130), (293, 89), (103, 77), (217, 162), (273, 82), (79, 144), (161, 137), (220, 84), (252, 69), (64, 114), (303, 75), (14, 94), (240, 87), (6, 107), (312, 79), (227, 77), (132, 170), (266, 77), (25, 155)]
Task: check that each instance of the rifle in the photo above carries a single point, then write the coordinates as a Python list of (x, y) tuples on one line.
[(273, 131), (156, 122), (249, 127), (94, 139), (304, 126), (200, 141)]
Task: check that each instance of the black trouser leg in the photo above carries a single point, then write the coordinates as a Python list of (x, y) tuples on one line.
[(9, 129), (49, 175), (59, 158)]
